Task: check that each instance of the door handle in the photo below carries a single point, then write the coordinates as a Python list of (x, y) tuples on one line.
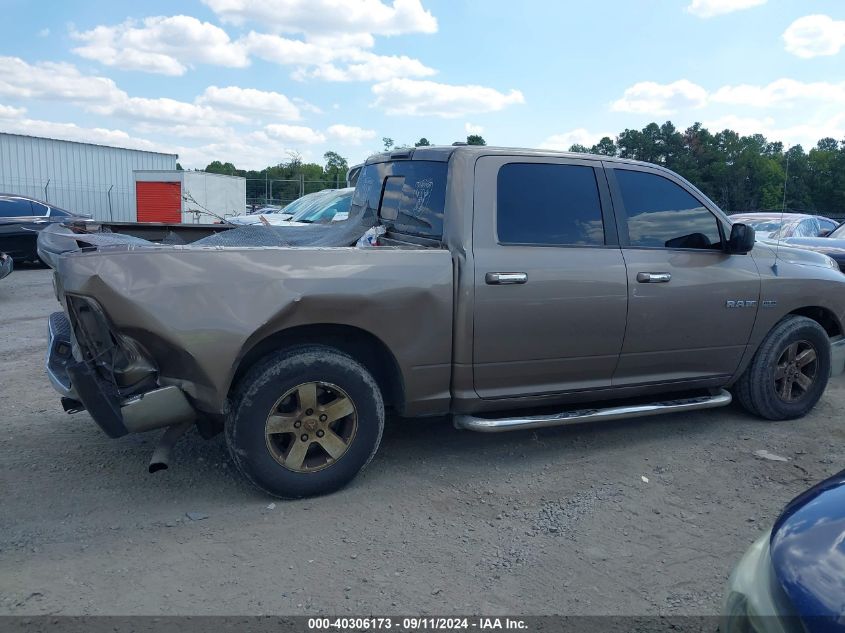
[(654, 278), (500, 279)]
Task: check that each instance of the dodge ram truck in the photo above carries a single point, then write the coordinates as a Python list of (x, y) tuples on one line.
[(511, 289)]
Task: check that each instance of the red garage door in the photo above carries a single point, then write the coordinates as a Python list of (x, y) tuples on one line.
[(159, 201)]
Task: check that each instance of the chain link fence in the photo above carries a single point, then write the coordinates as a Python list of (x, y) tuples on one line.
[(102, 201), (273, 192)]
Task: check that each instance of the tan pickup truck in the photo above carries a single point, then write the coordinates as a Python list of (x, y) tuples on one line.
[(512, 289)]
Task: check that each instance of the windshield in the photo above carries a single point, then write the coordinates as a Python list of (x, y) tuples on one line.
[(325, 209), (304, 202)]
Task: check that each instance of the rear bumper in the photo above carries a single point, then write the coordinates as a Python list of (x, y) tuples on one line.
[(837, 356), (114, 414)]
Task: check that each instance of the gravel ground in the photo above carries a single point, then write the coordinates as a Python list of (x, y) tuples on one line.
[(641, 517)]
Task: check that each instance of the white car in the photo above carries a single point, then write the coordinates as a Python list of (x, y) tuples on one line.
[(280, 216)]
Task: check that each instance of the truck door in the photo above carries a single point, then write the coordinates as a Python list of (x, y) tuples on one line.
[(691, 305), (549, 278)]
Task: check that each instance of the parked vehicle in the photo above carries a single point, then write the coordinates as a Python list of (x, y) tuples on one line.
[(333, 207), (20, 220), (775, 226), (279, 216), (792, 579), (832, 245), (7, 265), (513, 289)]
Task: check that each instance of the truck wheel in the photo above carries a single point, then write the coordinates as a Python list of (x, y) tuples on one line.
[(304, 422), (789, 372)]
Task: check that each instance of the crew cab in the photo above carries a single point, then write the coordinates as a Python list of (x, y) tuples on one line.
[(511, 288)]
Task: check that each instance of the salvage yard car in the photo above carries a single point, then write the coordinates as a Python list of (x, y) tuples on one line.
[(512, 289), (20, 220), (792, 578)]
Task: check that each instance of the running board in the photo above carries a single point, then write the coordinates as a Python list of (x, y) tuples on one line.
[(497, 425)]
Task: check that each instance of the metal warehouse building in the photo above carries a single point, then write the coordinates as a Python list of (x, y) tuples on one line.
[(82, 177)]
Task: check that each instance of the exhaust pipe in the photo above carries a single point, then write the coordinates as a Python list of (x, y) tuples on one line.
[(164, 449)]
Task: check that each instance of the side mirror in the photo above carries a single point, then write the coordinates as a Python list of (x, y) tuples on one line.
[(741, 240)]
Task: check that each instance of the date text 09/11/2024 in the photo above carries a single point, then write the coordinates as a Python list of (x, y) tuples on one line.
[(415, 623)]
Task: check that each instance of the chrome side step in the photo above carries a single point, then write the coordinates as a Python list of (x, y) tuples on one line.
[(497, 425)]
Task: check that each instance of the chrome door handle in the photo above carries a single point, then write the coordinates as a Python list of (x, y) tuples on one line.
[(654, 278), (499, 279)]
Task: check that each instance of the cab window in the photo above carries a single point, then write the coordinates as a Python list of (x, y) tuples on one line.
[(548, 205), (662, 214)]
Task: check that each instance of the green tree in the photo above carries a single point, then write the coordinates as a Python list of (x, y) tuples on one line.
[(388, 143), (336, 167), (476, 139), (605, 147), (216, 167), (423, 142)]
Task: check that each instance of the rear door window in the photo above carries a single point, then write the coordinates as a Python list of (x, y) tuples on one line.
[(548, 205), (15, 208)]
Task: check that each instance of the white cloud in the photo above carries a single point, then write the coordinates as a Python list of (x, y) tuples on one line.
[(782, 92), (14, 122), (11, 112), (250, 101), (205, 133), (53, 80), (368, 67), (429, 98), (283, 50), (815, 35), (45, 32), (329, 16), (648, 97), (711, 8), (64, 82), (349, 134), (340, 60), (165, 45), (579, 136), (294, 134), (469, 128), (170, 45), (807, 133), (254, 150)]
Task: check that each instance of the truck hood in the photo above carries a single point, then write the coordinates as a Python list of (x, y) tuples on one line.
[(790, 253)]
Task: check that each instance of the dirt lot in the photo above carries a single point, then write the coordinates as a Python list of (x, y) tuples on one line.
[(558, 521)]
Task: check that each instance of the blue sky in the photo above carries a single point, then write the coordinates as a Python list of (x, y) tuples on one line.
[(250, 80)]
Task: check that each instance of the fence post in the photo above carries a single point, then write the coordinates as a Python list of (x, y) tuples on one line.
[(46, 197), (111, 217), (301, 185)]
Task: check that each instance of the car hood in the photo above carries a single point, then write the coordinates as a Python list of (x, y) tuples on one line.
[(255, 218), (829, 246), (807, 549)]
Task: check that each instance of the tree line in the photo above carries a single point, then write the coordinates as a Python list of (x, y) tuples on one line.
[(740, 173)]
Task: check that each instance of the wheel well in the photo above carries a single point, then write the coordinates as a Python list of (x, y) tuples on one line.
[(823, 317), (364, 347)]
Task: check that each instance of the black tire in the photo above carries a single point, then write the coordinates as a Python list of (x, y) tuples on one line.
[(258, 394), (757, 390)]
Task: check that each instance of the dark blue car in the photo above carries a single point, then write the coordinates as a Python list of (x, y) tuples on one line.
[(793, 578)]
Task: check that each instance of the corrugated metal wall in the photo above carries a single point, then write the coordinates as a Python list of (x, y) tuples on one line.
[(76, 176)]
